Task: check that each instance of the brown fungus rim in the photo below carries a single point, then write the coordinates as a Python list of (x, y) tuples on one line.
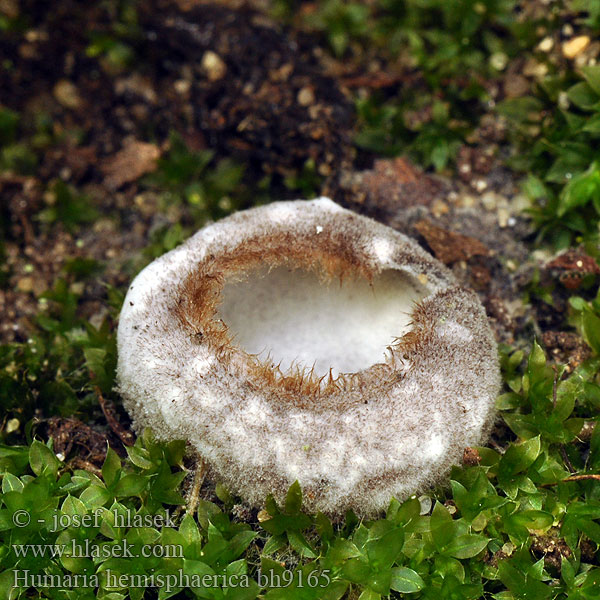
[(331, 256)]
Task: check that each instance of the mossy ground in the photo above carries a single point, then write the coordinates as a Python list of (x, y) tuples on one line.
[(114, 148)]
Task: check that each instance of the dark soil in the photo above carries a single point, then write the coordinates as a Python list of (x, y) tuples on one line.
[(229, 79), (266, 103)]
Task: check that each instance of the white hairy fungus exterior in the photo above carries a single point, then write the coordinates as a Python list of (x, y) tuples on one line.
[(302, 341)]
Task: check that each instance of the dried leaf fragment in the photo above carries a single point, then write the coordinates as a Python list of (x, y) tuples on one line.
[(129, 164), (449, 246)]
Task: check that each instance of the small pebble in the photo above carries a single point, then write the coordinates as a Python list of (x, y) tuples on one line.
[(12, 425), (25, 285), (480, 185), (213, 65), (262, 516), (498, 61), (67, 94), (467, 201), (563, 100), (439, 208), (182, 86), (536, 69), (508, 548), (503, 216), (324, 169), (546, 44), (567, 30), (575, 46), (77, 287), (489, 200), (426, 503), (306, 96)]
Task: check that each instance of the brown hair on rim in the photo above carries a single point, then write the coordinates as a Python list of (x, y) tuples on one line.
[(330, 257)]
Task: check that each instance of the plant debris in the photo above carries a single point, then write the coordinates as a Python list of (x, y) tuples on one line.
[(449, 246)]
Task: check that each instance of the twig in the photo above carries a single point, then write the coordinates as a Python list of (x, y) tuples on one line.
[(126, 437), (587, 476), (193, 496)]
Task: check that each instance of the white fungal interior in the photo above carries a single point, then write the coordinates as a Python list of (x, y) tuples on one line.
[(294, 318)]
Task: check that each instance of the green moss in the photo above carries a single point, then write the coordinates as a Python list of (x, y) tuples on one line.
[(481, 536), (555, 135), (210, 189)]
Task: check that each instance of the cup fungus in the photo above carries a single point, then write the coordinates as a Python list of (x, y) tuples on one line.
[(302, 341)]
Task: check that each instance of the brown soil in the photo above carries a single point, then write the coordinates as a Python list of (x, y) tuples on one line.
[(228, 78)]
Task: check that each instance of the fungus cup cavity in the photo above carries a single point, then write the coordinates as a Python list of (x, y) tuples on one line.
[(301, 341)]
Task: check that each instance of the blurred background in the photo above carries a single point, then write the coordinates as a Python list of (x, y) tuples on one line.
[(472, 126)]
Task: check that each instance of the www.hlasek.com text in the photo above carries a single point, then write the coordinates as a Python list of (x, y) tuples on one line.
[(88, 549)]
